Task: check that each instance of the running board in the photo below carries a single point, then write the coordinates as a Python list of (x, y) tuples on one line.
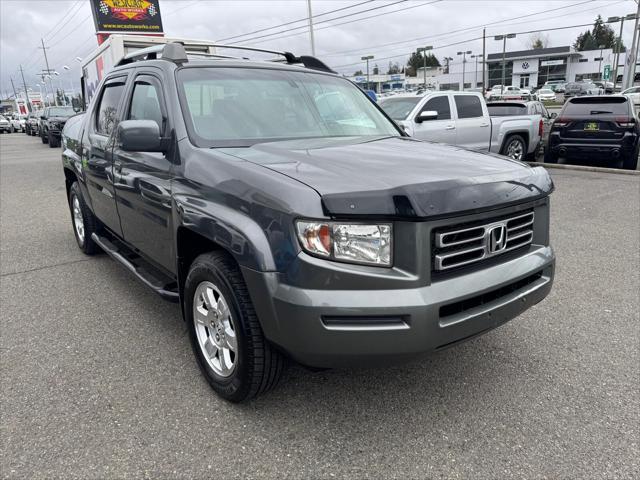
[(135, 266)]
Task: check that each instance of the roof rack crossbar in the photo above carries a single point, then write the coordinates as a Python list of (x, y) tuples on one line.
[(177, 52)]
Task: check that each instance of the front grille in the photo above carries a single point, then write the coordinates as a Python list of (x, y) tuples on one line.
[(458, 246)]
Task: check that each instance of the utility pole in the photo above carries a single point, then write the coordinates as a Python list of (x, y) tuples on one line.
[(601, 47), (313, 43), (46, 61), (26, 92), (632, 55), (15, 95), (631, 16), (484, 59)]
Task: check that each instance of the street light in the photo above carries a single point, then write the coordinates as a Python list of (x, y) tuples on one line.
[(630, 16), (424, 51), (464, 60), (476, 77), (601, 47), (504, 49), (367, 58)]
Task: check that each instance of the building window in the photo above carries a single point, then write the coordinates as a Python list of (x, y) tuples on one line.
[(583, 60), (495, 73), (599, 59), (467, 85), (450, 86)]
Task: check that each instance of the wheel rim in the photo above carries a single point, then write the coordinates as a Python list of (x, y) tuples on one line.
[(78, 221), (515, 149), (215, 329)]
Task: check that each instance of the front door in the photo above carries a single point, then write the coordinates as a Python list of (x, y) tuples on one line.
[(98, 167), (143, 179), (473, 129), (441, 129)]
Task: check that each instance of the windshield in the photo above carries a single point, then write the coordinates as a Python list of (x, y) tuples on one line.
[(239, 107), (506, 110), (61, 111), (399, 108)]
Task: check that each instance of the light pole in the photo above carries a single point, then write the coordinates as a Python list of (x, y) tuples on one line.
[(464, 60), (68, 69), (504, 49), (367, 58), (313, 43), (476, 77), (631, 16), (424, 51), (601, 47)]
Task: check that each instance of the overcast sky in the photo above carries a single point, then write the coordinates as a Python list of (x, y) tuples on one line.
[(396, 30)]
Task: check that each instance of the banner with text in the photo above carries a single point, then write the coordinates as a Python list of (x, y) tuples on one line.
[(127, 16)]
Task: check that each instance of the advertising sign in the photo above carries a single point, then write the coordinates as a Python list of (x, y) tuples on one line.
[(127, 16), (607, 72)]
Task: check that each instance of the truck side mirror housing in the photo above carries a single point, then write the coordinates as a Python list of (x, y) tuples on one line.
[(553, 115), (427, 115), (140, 136)]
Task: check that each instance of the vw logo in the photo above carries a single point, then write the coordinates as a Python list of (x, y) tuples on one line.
[(525, 65), (497, 238)]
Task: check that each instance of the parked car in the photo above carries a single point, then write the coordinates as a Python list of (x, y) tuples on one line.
[(52, 122), (555, 85), (605, 87), (602, 127), (462, 119), (532, 108), (580, 89), (546, 95), (291, 228), (17, 123), (633, 93), (509, 93), (5, 126), (31, 125)]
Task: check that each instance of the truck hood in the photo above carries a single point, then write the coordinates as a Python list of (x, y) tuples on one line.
[(399, 176)]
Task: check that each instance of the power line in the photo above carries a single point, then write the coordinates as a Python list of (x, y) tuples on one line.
[(324, 21), (294, 21), (371, 47), (65, 23), (62, 18)]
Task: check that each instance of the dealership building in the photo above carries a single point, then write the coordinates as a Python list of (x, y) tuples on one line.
[(524, 68)]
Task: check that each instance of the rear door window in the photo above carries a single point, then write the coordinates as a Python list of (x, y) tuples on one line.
[(468, 106), (107, 112)]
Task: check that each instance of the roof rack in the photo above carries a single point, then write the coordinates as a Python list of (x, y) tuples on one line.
[(177, 52)]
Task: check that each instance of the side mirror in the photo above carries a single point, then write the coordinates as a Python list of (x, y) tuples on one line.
[(140, 136), (553, 115), (427, 115)]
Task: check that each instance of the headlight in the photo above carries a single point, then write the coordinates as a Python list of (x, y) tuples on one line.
[(347, 242)]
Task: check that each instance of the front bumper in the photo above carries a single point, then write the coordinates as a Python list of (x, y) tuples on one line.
[(344, 328)]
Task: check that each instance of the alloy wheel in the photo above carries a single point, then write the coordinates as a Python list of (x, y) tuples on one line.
[(78, 221)]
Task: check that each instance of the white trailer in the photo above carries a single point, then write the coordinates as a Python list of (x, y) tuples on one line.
[(103, 59)]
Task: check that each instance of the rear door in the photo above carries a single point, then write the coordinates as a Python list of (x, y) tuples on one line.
[(143, 179), (443, 128), (98, 139), (472, 123)]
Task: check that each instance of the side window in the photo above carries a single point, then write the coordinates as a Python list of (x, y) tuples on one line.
[(145, 103), (107, 117), (440, 105), (468, 106)]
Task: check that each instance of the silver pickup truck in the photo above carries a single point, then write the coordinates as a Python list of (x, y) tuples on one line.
[(462, 119)]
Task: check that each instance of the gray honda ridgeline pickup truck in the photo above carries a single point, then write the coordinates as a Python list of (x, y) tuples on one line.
[(292, 218)]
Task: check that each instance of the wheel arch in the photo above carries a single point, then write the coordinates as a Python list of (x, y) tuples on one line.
[(522, 133)]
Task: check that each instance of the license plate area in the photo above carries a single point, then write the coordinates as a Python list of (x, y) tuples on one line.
[(591, 127)]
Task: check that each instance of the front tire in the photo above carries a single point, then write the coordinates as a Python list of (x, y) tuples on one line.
[(83, 221), (515, 147), (227, 340), (53, 141), (43, 137)]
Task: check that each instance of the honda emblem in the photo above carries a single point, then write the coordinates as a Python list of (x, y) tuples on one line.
[(497, 238)]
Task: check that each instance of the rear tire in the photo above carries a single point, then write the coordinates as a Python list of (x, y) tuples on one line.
[(43, 137), (515, 147), (53, 141), (631, 162), (83, 221), (549, 156), (227, 340)]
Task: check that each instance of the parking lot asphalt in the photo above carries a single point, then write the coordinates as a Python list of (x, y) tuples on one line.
[(98, 378)]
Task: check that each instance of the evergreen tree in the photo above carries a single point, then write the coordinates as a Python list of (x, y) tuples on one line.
[(600, 35)]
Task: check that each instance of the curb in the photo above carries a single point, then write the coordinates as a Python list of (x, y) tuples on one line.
[(583, 168)]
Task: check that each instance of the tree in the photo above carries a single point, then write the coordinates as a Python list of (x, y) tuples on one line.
[(538, 41), (376, 70), (358, 73), (601, 35), (417, 60), (393, 68)]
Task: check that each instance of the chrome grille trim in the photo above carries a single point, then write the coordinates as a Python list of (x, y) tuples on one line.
[(463, 246)]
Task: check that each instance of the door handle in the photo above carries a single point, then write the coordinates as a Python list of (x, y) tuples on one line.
[(484, 124), (450, 127)]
